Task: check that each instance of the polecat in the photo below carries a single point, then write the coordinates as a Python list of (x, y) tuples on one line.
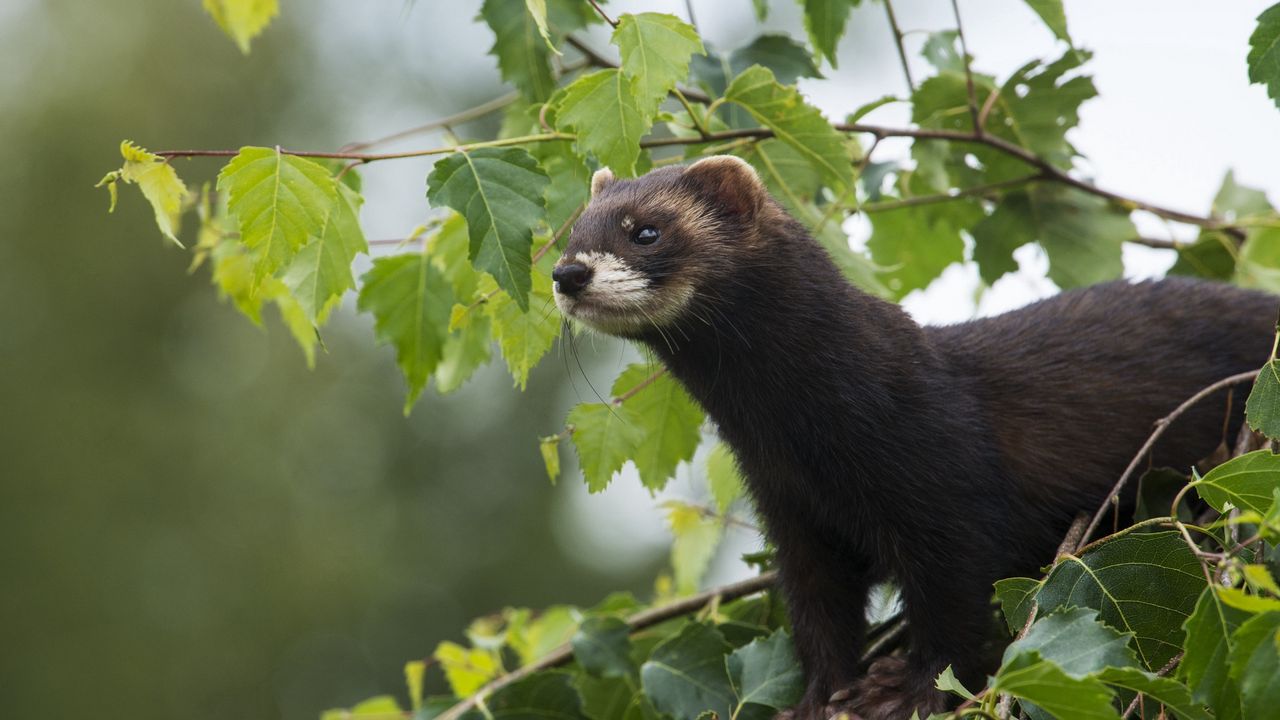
[(943, 458)]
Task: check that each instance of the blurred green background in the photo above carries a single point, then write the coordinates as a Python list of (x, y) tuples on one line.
[(194, 524)]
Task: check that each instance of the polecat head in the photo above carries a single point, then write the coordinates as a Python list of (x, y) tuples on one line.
[(644, 249)]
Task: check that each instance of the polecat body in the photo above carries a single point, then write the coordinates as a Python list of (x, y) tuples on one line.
[(940, 458)]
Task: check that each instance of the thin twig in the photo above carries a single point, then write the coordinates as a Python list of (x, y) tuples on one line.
[(607, 19), (639, 621), (455, 119), (1168, 668), (947, 197), (374, 157), (1161, 426), (639, 386), (897, 39), (968, 72)]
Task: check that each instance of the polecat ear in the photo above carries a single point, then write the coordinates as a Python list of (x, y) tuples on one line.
[(731, 181), (600, 180)]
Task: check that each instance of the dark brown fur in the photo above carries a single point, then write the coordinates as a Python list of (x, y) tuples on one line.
[(942, 458)]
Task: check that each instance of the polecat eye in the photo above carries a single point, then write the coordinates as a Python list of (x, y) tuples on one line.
[(646, 235)]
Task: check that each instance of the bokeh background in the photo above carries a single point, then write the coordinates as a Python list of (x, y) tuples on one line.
[(194, 525)]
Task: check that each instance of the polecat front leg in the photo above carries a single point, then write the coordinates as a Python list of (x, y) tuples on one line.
[(826, 589)]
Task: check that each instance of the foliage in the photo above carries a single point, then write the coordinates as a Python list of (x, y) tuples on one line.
[(1166, 614)]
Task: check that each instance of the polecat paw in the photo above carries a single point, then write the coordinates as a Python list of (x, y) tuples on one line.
[(892, 691)]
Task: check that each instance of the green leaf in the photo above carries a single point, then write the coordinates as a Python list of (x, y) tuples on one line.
[(915, 244), (655, 49), (1016, 596), (465, 351), (570, 180), (410, 301), (602, 646), (159, 184), (1236, 202), (788, 175), (602, 109), (1050, 11), (242, 20), (788, 59), (781, 109), (549, 447), (1209, 639), (1212, 256), (1255, 664), (502, 194), (696, 540), (1259, 261), (1241, 600), (1172, 694), (524, 336), (825, 21), (762, 9), (415, 675), (1263, 407), (766, 672), (547, 695), (613, 699), (603, 435), (538, 11), (1246, 482), (723, 477), (1075, 641), (281, 201), (1029, 677), (1144, 583), (535, 639), (321, 271), (947, 682), (668, 423), (685, 675), (520, 45), (1081, 233), (466, 669), (1264, 52)]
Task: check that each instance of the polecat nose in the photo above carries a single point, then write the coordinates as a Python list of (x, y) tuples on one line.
[(571, 278)]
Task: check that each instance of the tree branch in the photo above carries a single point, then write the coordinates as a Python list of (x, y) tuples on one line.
[(600, 10), (947, 197), (457, 118), (1161, 426), (639, 621), (897, 40)]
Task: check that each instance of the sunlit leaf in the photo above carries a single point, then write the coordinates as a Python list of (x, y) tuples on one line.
[(655, 48), (602, 109), (281, 201), (159, 184), (524, 336), (242, 20), (696, 538), (466, 669), (667, 419), (603, 435), (1263, 406), (321, 271), (723, 477), (1245, 482)]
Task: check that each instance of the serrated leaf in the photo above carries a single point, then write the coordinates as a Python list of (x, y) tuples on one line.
[(1263, 406), (449, 247), (603, 435), (502, 194), (1017, 597), (668, 422), (696, 538), (825, 20), (1245, 482), (1144, 583), (242, 20), (1255, 664), (1050, 11), (1264, 52), (281, 201), (1082, 235), (766, 672), (524, 336), (948, 682), (466, 669), (520, 45), (782, 109), (548, 695), (685, 675), (789, 60), (723, 477), (788, 175), (1235, 201), (656, 49), (602, 109), (602, 646), (1030, 677), (410, 301), (1168, 692), (915, 244), (570, 180), (538, 11), (466, 350), (157, 180), (1076, 641), (321, 271), (1209, 631)]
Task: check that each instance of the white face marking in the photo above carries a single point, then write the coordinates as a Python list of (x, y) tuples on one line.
[(628, 222)]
